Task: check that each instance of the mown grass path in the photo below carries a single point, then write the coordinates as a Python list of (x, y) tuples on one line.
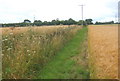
[(70, 62)]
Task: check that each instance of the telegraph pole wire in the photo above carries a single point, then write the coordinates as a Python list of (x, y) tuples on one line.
[(82, 12)]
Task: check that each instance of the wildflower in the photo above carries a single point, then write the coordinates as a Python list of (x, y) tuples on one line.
[(21, 35), (33, 36), (6, 39), (11, 33), (9, 49), (13, 38), (27, 38), (2, 54), (39, 42), (29, 54), (28, 50), (34, 52), (33, 41)]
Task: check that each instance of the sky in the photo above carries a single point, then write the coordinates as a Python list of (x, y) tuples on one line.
[(15, 11)]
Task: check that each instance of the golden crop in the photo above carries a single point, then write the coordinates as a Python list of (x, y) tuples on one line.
[(103, 51)]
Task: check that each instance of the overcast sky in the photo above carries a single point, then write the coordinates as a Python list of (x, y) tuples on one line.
[(14, 11)]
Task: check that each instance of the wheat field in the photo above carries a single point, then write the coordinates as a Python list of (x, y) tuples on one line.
[(103, 51)]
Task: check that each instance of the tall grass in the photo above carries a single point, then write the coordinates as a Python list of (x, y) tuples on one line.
[(25, 51)]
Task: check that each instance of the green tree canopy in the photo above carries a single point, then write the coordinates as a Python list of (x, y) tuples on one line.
[(89, 21)]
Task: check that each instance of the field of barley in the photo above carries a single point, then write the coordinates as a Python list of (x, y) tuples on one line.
[(25, 50), (103, 51)]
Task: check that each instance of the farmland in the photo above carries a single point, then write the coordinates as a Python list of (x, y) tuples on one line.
[(26, 50), (103, 51), (60, 52)]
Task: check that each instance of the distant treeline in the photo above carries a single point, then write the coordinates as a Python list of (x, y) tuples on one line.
[(110, 22), (70, 21)]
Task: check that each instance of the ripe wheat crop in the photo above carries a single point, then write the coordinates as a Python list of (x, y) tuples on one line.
[(103, 51)]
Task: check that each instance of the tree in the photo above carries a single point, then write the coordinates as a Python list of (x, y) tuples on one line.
[(46, 23), (89, 21), (27, 21), (71, 21), (80, 22), (110, 22), (62, 22), (37, 22), (55, 22)]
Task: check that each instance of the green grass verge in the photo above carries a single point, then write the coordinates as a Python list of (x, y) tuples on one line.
[(63, 66)]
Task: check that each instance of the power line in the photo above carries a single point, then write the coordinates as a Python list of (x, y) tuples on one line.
[(116, 17), (34, 18), (82, 12)]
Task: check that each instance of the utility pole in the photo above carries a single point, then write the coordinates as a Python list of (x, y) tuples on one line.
[(33, 20), (116, 18), (34, 17), (82, 12)]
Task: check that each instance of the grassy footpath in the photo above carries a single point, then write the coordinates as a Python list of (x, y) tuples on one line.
[(70, 62)]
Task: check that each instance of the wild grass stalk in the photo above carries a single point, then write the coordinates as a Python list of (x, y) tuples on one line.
[(26, 50)]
